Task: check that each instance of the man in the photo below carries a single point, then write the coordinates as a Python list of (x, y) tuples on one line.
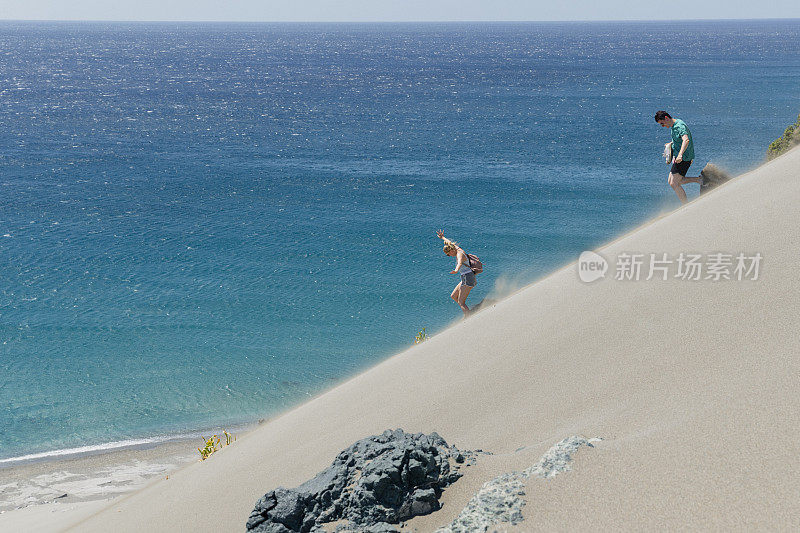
[(682, 153)]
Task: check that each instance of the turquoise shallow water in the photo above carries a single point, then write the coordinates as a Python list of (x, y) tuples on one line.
[(205, 224)]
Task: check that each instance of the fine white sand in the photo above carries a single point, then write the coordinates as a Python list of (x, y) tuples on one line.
[(691, 385)]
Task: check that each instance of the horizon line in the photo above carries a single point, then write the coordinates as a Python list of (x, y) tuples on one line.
[(423, 21)]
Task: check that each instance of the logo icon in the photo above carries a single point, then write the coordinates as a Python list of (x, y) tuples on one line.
[(591, 266)]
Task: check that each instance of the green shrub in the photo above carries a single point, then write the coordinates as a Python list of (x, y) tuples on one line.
[(421, 337), (789, 139)]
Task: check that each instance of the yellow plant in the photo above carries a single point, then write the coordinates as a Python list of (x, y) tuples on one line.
[(213, 444), (421, 337)]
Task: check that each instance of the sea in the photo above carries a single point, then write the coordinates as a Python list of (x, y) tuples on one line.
[(204, 224)]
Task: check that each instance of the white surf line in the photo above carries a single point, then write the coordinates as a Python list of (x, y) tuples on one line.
[(83, 450), (121, 445), (500, 500)]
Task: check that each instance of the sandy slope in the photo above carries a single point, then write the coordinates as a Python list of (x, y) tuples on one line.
[(692, 385)]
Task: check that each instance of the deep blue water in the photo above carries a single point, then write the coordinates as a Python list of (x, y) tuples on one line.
[(204, 224)]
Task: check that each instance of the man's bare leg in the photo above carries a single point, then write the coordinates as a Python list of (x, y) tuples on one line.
[(675, 181)]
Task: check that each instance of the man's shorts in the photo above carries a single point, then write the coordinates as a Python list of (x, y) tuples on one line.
[(468, 279), (680, 168)]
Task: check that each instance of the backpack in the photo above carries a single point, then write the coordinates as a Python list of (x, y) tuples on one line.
[(474, 263)]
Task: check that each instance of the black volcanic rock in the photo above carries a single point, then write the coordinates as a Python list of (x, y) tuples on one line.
[(378, 481)]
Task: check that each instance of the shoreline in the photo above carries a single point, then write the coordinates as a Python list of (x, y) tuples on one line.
[(101, 475), (74, 481), (63, 454), (51, 493)]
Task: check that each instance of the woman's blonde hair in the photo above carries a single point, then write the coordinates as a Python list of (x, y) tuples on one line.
[(449, 246)]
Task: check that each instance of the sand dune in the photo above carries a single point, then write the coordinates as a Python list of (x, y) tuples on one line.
[(692, 386)]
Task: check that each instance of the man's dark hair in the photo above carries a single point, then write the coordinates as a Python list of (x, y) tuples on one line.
[(661, 115)]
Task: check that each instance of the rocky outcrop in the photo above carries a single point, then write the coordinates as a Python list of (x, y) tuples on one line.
[(378, 481), (501, 499)]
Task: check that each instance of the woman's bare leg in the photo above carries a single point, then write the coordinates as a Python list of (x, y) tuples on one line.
[(456, 292), (459, 294), (462, 298)]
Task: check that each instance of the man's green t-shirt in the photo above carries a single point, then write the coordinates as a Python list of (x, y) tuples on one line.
[(678, 130)]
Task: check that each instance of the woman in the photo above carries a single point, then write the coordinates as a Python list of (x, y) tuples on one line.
[(468, 279)]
